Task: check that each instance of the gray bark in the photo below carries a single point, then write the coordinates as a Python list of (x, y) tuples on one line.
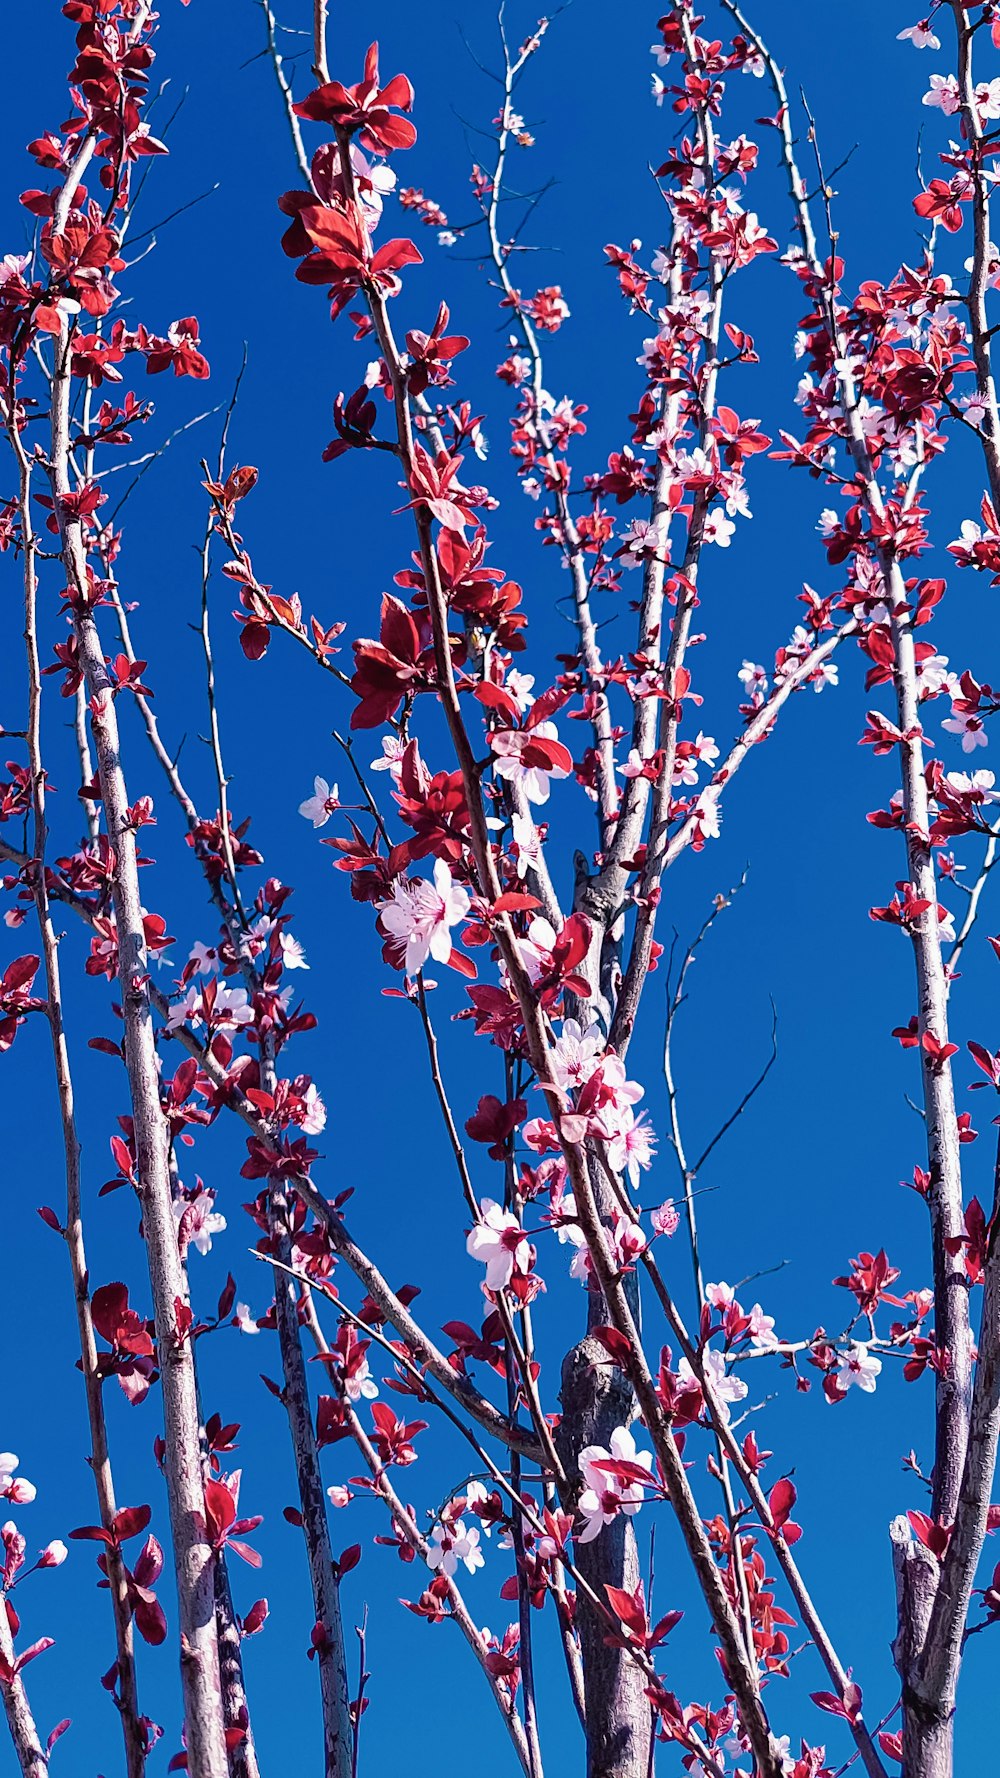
[(596, 1398)]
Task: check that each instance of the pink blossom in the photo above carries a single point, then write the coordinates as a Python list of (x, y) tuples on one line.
[(537, 948), (232, 1008), (359, 1384), (205, 958), (723, 1386), (604, 1496), (14, 1487), (720, 1295), (754, 678), (616, 1088), (859, 1367), (569, 1232), (920, 35), (718, 529), (627, 1240), (634, 766), (665, 1218), (707, 815), (197, 1221), (516, 369), (541, 1136), (509, 747), (421, 914), (932, 675), (645, 538), (292, 954), (321, 805), (449, 1545), (374, 180), (983, 783), (988, 100), (944, 94), (11, 267), (500, 1243), (527, 842), (632, 1145), (581, 1266), (761, 1328), (970, 727), (964, 547), (187, 1008), (975, 407), (475, 1495), (690, 755), (575, 1054), (519, 685), (315, 1115), (393, 749)]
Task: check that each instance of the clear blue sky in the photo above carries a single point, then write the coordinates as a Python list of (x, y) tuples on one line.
[(810, 1176)]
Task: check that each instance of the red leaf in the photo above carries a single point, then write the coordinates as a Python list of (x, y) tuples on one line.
[(220, 1510), (781, 1501), (150, 1621), (227, 1298), (615, 1344), (350, 1558), (30, 1654), (19, 974), (255, 1618), (664, 1627), (630, 1608), (130, 1520), (251, 1556), (934, 1536)]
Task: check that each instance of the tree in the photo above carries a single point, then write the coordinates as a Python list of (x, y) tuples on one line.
[(514, 870)]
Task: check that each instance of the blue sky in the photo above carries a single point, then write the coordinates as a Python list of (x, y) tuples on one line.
[(810, 1174)]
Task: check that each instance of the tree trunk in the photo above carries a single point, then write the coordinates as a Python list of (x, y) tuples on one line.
[(243, 1758), (927, 1726), (334, 1692), (927, 1740), (596, 1398), (193, 1556)]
